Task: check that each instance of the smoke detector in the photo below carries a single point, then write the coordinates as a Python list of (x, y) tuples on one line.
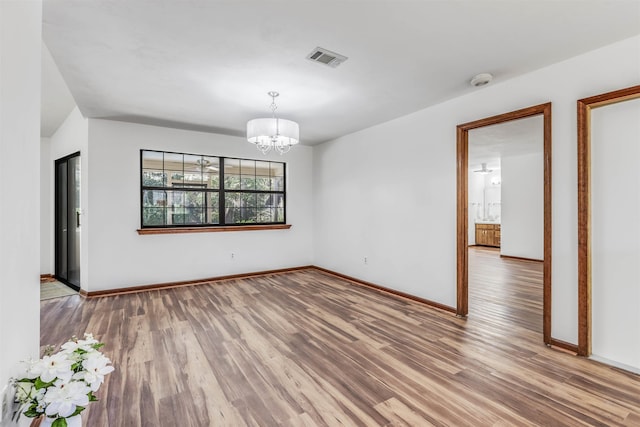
[(481, 79), (326, 57)]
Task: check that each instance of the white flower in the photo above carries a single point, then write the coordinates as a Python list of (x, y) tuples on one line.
[(26, 391), (63, 399), (94, 369), (51, 367), (86, 344), (71, 376)]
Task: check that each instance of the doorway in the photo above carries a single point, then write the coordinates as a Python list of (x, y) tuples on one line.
[(462, 307), (67, 220), (612, 295)]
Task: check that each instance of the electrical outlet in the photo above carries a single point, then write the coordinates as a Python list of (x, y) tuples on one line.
[(366, 260), (233, 255)]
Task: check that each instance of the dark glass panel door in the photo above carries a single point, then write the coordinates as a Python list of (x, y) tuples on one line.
[(67, 210)]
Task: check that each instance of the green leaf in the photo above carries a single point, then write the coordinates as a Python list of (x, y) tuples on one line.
[(31, 412), (41, 384), (78, 410), (92, 397), (59, 422), (98, 345)]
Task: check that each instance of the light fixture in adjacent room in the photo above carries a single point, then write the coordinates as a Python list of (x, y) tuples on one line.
[(484, 170), (273, 133)]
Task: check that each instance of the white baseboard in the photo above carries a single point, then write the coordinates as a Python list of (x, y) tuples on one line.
[(615, 364)]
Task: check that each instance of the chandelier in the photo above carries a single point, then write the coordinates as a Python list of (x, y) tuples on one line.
[(273, 133)]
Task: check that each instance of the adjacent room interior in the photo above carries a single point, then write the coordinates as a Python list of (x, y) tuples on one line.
[(306, 213), (506, 250)]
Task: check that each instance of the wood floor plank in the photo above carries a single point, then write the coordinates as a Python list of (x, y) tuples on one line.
[(308, 349)]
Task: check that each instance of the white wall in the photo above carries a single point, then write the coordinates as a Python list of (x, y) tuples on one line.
[(389, 192), (476, 203), (492, 196), (615, 198), (119, 257), (522, 229), (20, 35), (46, 207), (72, 136)]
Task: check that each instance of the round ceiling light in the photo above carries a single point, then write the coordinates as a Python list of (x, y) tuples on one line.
[(481, 79)]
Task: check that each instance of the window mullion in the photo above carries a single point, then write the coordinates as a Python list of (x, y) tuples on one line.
[(221, 190)]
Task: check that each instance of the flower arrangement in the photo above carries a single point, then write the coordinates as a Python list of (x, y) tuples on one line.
[(58, 387)]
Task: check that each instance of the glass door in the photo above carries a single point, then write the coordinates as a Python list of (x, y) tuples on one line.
[(67, 220)]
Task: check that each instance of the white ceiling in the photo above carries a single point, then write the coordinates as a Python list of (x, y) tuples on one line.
[(208, 64), (489, 144)]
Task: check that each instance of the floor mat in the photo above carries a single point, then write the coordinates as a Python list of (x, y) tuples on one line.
[(55, 289)]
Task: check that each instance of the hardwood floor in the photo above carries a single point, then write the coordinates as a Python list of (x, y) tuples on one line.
[(309, 349), (505, 291)]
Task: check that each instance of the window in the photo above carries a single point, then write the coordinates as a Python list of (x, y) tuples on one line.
[(179, 190)]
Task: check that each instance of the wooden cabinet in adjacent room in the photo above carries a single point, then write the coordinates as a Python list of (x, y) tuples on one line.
[(488, 235)]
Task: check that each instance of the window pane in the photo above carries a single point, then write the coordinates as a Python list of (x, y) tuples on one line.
[(154, 178), (210, 164), (175, 199), (262, 168), (192, 163), (248, 200), (152, 160), (263, 200), (151, 198), (211, 172), (193, 177), (232, 182), (279, 214), (248, 182), (176, 217), (211, 180), (248, 167), (277, 184), (213, 216), (194, 216), (265, 215), (213, 208), (248, 215), (263, 183), (277, 169), (176, 179), (153, 216), (213, 200), (194, 199), (173, 161), (232, 215), (232, 166), (232, 200)]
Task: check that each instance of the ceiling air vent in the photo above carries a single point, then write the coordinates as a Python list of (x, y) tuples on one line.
[(326, 57)]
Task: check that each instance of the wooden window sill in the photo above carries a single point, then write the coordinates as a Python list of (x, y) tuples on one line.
[(182, 230)]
